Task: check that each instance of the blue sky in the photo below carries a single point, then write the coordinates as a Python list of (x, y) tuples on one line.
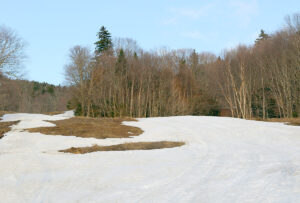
[(52, 27)]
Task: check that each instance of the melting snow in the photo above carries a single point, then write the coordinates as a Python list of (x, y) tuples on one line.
[(224, 160)]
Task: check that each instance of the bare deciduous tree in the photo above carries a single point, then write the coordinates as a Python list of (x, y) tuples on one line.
[(78, 72), (11, 52)]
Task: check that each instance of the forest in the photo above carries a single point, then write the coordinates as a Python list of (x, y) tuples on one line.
[(32, 97), (18, 94), (120, 79)]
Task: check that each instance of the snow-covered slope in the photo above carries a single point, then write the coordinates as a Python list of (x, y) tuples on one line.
[(224, 160)]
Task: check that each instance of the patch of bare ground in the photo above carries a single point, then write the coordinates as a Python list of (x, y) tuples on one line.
[(5, 126), (100, 128), (4, 112), (54, 113), (288, 121), (124, 147)]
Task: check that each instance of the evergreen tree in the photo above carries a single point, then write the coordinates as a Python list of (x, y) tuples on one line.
[(135, 56), (262, 36), (194, 62), (121, 65), (104, 43)]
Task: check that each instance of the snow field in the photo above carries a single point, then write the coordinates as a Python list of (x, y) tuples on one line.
[(224, 160)]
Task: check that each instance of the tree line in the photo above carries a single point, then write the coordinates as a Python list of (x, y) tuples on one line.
[(32, 97), (121, 79), (263, 80), (17, 94)]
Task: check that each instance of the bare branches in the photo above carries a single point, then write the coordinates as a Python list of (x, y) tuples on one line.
[(11, 52), (251, 81), (79, 72)]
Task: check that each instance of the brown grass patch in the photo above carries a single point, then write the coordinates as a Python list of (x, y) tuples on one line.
[(100, 128), (4, 112), (288, 121), (5, 127), (124, 147), (54, 113)]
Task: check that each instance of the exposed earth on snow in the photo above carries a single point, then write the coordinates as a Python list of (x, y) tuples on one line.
[(222, 160)]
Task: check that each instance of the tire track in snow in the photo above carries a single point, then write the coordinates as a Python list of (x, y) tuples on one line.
[(224, 160)]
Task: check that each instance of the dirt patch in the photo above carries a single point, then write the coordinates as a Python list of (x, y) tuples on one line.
[(124, 147), (5, 127), (4, 112), (288, 121), (54, 113), (100, 128)]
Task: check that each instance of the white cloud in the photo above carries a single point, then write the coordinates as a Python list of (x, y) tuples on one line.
[(178, 15), (190, 13), (193, 13), (193, 35), (245, 7), (245, 10), (170, 21)]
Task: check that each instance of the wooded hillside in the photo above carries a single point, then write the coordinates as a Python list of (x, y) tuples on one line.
[(32, 97), (121, 79)]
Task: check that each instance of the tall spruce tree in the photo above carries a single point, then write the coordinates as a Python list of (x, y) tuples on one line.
[(262, 36), (121, 65), (104, 43)]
